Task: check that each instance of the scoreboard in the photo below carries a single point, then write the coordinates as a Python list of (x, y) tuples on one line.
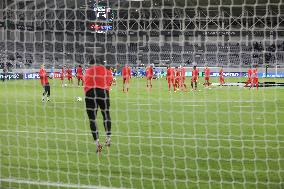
[(101, 18)]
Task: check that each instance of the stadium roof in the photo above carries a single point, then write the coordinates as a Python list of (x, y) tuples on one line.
[(146, 3)]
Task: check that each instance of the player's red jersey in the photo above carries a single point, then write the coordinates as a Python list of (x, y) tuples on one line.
[(126, 72), (43, 77), (249, 73), (110, 77), (97, 77), (194, 75), (79, 72), (183, 71), (221, 76), (62, 73), (170, 73), (149, 73), (255, 75), (221, 73), (178, 73), (69, 73), (207, 73)]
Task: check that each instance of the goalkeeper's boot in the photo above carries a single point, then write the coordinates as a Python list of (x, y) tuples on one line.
[(99, 148), (47, 99), (43, 99)]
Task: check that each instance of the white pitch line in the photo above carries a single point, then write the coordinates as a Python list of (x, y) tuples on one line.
[(221, 101), (205, 138), (49, 102), (63, 102), (244, 106), (143, 104), (55, 184), (194, 105)]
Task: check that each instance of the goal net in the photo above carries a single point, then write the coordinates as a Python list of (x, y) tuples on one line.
[(165, 134)]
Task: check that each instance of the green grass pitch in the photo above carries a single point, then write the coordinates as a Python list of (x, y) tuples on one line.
[(224, 137)]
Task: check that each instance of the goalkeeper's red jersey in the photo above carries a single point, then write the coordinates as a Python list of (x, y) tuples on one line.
[(97, 77)]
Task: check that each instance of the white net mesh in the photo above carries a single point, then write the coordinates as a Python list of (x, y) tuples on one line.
[(212, 137)]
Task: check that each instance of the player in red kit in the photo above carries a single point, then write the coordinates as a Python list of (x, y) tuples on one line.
[(182, 78), (221, 77), (254, 78), (79, 74), (97, 82), (45, 84), (206, 76), (149, 76), (62, 75), (69, 75), (126, 75), (178, 77), (194, 78), (113, 71), (171, 78), (110, 76), (249, 80)]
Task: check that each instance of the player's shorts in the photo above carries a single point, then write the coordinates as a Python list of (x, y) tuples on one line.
[(194, 79), (171, 80), (221, 78), (62, 77), (206, 78), (126, 79), (249, 80), (255, 80), (69, 77), (149, 77), (79, 77)]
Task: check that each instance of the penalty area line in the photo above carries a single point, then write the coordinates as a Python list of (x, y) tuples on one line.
[(55, 184)]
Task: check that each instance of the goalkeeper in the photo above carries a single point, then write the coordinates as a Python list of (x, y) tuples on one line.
[(97, 81)]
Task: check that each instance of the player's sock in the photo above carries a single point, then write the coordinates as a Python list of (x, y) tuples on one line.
[(108, 141)]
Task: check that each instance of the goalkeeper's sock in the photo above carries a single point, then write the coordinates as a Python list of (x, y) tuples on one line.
[(98, 146), (97, 142)]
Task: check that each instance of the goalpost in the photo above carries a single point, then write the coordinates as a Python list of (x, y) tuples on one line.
[(212, 137)]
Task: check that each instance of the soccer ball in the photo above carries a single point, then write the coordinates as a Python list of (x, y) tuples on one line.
[(78, 99), (65, 85)]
